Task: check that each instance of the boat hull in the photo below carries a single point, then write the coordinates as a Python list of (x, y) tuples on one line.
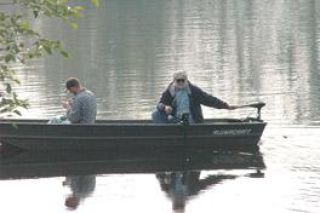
[(37, 135)]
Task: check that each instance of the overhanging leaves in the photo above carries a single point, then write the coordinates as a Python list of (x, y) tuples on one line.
[(15, 29)]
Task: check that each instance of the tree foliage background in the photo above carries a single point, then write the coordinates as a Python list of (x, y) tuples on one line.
[(20, 42)]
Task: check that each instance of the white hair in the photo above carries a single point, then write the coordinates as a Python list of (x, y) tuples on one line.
[(180, 75)]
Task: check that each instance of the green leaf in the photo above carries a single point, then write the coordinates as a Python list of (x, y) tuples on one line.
[(15, 96), (8, 58), (4, 110), (64, 53), (35, 13), (96, 3), (74, 25), (15, 79), (47, 49), (9, 88), (25, 25), (79, 8), (17, 112)]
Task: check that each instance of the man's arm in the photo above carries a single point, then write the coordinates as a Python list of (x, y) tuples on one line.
[(165, 100), (209, 100), (73, 114)]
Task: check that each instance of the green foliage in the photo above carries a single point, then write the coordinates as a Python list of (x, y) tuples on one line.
[(15, 29), (96, 3), (10, 105)]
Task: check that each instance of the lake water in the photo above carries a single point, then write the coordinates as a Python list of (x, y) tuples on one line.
[(240, 51)]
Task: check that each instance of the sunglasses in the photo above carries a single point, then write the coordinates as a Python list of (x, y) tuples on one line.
[(180, 80)]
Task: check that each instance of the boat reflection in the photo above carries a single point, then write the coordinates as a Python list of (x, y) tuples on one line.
[(181, 174), (43, 164)]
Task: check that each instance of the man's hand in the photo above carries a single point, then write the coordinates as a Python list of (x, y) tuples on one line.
[(168, 110), (66, 105)]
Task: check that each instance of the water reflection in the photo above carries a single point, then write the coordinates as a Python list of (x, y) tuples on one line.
[(81, 188), (124, 161), (181, 185), (181, 175)]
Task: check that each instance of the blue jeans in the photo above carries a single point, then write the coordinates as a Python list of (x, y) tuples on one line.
[(162, 117)]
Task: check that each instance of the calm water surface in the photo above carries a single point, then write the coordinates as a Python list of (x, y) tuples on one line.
[(241, 51)]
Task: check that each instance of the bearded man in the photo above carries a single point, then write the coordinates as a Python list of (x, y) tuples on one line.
[(184, 98)]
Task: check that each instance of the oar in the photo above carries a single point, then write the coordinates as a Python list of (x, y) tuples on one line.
[(258, 106)]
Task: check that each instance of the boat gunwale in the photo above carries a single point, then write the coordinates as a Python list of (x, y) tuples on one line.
[(124, 137), (207, 122)]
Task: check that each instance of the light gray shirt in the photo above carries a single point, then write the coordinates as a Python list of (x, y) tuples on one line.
[(84, 108)]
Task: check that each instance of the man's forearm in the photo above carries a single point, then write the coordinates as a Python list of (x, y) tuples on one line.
[(73, 114)]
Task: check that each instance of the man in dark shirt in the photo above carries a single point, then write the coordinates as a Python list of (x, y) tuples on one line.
[(182, 97)]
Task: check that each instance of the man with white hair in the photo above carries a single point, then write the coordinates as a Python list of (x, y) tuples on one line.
[(183, 98)]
